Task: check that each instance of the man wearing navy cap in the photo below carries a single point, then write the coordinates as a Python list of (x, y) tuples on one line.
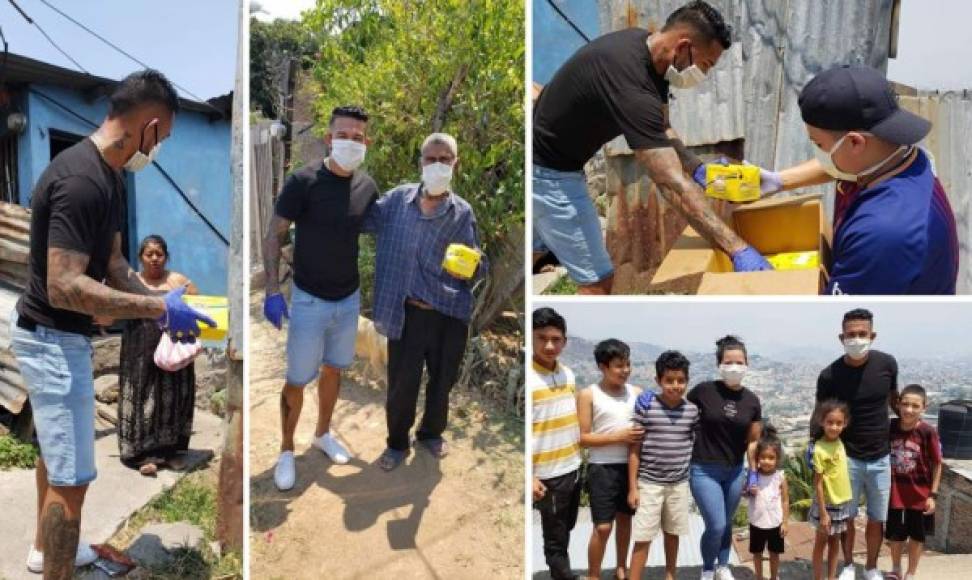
[(894, 231)]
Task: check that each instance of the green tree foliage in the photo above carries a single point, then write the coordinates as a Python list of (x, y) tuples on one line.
[(799, 478), (272, 46), (417, 67)]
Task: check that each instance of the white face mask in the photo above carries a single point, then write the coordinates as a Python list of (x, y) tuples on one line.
[(733, 373), (436, 177), (857, 348), (687, 78), (826, 159), (140, 161), (347, 154)]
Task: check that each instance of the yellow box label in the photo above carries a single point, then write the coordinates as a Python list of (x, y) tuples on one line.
[(460, 260), (735, 183), (217, 308)]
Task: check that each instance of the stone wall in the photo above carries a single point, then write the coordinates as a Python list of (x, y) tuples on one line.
[(953, 519)]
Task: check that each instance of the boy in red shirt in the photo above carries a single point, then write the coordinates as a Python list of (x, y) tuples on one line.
[(916, 471)]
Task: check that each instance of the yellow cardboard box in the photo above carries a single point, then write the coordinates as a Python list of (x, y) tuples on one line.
[(217, 308), (772, 226)]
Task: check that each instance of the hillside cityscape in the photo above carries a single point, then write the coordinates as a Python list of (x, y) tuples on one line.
[(786, 388)]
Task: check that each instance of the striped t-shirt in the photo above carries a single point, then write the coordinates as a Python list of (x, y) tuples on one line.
[(669, 436), (556, 433)]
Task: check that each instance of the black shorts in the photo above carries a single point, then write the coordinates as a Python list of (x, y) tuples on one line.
[(904, 524), (608, 488), (760, 539)]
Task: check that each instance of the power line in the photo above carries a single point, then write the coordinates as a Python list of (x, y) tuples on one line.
[(557, 9), (120, 50), (49, 39)]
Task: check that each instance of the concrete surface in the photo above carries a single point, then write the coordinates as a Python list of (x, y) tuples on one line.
[(545, 280), (112, 498)]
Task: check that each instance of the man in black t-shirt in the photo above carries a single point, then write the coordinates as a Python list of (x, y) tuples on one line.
[(618, 85), (77, 271), (327, 202), (867, 380)]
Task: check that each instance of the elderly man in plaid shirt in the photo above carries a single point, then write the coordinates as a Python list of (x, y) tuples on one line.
[(423, 309)]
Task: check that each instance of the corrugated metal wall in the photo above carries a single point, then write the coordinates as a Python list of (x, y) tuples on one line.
[(950, 144)]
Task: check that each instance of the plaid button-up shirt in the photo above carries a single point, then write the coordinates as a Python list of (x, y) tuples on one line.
[(410, 249)]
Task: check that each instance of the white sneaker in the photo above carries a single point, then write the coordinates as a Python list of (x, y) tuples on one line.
[(84, 556), (708, 575), (873, 574), (724, 573), (332, 448), (848, 573), (285, 473)]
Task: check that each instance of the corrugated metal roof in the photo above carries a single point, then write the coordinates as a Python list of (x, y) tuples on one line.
[(689, 554)]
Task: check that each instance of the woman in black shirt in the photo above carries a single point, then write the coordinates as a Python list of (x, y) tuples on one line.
[(729, 426)]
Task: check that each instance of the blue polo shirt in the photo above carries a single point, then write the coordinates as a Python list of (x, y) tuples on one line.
[(898, 237)]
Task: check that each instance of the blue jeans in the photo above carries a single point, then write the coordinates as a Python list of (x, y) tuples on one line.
[(717, 490), (566, 223), (320, 332), (874, 479), (56, 368)]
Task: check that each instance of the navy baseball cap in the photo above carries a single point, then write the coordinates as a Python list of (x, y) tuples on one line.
[(859, 98)]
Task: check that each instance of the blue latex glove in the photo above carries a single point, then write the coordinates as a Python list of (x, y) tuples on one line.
[(749, 260), (699, 174), (180, 320), (275, 309), (751, 482)]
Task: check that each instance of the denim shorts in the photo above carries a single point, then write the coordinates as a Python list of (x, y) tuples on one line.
[(57, 371), (566, 223), (874, 479), (321, 332)]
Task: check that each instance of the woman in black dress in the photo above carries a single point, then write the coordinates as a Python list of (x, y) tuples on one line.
[(155, 407)]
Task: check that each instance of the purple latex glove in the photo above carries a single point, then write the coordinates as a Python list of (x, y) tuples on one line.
[(770, 182), (275, 309), (180, 320), (749, 260)]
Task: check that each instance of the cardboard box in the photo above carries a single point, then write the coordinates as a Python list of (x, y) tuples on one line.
[(772, 226)]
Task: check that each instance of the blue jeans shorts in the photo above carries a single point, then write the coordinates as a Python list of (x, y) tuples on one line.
[(566, 223), (57, 371), (321, 332), (874, 479)]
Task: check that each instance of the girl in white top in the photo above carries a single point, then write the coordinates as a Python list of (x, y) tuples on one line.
[(604, 411), (769, 505)]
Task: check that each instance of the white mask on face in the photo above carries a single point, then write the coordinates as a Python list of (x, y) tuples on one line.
[(436, 177), (857, 348), (140, 161), (347, 154), (733, 373), (687, 78), (826, 159)]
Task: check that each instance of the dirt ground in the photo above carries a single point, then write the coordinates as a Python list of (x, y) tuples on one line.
[(458, 518)]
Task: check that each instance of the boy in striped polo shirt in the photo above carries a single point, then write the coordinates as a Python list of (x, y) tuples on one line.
[(658, 466), (556, 440)]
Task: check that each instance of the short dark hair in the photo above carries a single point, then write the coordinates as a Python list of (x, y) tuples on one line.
[(914, 389), (153, 239), (349, 111), (671, 360), (544, 317), (729, 342), (858, 314), (140, 88), (705, 19), (610, 349)]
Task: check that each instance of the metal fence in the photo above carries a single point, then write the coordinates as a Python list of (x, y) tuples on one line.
[(266, 179)]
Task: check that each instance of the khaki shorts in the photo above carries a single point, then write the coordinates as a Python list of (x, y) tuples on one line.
[(661, 507)]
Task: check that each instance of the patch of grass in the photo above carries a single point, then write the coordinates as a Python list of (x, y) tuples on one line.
[(189, 501), (562, 286), (15, 454)]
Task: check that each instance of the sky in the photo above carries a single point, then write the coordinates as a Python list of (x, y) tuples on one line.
[(921, 330), (933, 45), (191, 42), (286, 9)]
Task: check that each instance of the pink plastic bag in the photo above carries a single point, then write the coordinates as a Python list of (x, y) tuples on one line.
[(173, 356)]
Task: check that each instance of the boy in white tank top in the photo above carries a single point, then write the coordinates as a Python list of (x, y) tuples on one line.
[(604, 411)]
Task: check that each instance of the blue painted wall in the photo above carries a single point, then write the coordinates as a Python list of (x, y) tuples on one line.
[(196, 155), (554, 41)]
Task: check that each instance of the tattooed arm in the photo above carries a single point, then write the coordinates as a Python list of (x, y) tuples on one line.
[(69, 288), (272, 243), (122, 277), (690, 161), (686, 196)]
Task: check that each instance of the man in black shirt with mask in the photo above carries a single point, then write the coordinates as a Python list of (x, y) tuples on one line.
[(618, 85)]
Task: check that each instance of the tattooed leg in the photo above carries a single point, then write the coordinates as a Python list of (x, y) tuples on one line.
[(60, 530), (291, 402)]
